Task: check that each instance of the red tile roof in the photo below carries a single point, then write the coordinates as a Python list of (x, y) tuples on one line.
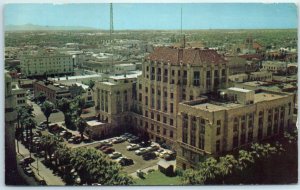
[(193, 56)]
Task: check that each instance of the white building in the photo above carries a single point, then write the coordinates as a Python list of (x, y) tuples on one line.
[(46, 63)]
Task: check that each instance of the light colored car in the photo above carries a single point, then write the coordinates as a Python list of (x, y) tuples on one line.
[(141, 151), (115, 155), (133, 147)]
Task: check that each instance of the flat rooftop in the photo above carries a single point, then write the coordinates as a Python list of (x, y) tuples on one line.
[(211, 107), (239, 89), (263, 96), (94, 123), (108, 83), (76, 77), (135, 74)]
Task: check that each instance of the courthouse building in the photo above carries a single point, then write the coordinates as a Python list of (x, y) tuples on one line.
[(170, 76), (208, 127)]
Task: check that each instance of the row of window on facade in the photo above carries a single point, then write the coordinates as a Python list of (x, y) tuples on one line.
[(158, 118), (196, 76)]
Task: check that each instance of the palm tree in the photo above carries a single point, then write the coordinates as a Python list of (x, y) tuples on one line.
[(227, 166), (245, 159), (47, 109), (81, 125), (30, 124), (209, 169)]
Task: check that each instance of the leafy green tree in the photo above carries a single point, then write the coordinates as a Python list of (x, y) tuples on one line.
[(41, 97), (81, 125), (47, 109)]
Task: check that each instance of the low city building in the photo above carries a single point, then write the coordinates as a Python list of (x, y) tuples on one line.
[(52, 91), (46, 63), (98, 130), (210, 127), (84, 91)]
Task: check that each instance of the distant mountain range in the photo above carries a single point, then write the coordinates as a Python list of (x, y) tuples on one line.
[(28, 27)]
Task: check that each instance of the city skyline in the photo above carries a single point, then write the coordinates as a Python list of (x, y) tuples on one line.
[(156, 16)]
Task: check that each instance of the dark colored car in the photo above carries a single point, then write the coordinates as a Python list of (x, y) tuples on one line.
[(149, 156), (134, 140), (145, 144), (67, 135), (26, 161), (170, 156), (103, 147), (77, 140), (126, 162), (108, 150)]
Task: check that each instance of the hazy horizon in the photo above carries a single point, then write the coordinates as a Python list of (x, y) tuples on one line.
[(142, 16)]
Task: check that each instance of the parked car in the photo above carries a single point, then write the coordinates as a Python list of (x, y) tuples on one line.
[(62, 133), (170, 156), (118, 140), (134, 140), (154, 147), (77, 140), (149, 156), (126, 162), (55, 110), (28, 171), (71, 139), (133, 147), (26, 160), (115, 155), (108, 150), (145, 143), (141, 151), (103, 147), (68, 135)]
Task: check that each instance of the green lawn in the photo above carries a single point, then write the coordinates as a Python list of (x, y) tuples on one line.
[(157, 178)]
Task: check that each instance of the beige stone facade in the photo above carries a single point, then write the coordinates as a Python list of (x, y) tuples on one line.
[(40, 64), (114, 99), (171, 76), (210, 128)]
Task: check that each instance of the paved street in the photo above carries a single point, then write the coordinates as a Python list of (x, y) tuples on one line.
[(44, 172)]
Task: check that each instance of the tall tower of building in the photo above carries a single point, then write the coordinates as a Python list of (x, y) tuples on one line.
[(10, 120)]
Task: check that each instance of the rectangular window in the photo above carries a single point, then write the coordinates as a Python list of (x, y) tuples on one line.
[(164, 131), (218, 146), (158, 117), (158, 129), (171, 134), (196, 78), (218, 131), (171, 107), (171, 122), (164, 120)]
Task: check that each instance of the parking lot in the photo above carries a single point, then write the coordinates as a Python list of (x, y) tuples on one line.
[(139, 162)]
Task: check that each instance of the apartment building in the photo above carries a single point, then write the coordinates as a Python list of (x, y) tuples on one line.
[(210, 127), (170, 76), (46, 63)]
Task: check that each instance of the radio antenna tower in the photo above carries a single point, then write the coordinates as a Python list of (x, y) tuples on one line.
[(181, 20), (182, 35), (111, 29)]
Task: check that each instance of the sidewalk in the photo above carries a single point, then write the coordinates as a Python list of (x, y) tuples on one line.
[(43, 172)]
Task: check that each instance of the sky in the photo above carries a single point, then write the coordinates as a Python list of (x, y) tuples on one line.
[(156, 16)]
